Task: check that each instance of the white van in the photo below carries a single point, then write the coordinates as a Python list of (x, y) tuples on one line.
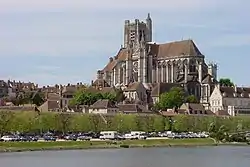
[(108, 135), (138, 135)]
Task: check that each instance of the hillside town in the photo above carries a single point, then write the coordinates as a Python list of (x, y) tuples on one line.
[(144, 77)]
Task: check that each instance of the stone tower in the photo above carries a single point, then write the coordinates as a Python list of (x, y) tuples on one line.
[(212, 70), (136, 32), (136, 35), (149, 28)]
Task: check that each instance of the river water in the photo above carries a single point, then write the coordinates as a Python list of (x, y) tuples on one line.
[(222, 156)]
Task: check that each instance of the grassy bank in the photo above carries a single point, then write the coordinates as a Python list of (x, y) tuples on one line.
[(65, 145)]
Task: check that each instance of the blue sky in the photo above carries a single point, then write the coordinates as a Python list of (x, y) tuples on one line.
[(61, 41)]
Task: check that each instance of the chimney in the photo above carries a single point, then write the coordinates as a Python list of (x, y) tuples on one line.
[(111, 59)]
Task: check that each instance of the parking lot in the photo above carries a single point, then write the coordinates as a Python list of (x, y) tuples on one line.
[(104, 135)]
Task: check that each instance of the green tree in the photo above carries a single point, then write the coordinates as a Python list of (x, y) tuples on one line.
[(226, 82), (172, 99), (27, 97), (5, 119), (63, 122), (83, 97), (37, 98), (109, 96), (191, 99)]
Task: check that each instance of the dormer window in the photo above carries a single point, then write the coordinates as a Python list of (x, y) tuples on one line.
[(242, 94)]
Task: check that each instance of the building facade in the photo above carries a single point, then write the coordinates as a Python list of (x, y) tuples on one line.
[(141, 60), (235, 100)]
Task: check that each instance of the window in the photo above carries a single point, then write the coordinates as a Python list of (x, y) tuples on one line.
[(192, 66)]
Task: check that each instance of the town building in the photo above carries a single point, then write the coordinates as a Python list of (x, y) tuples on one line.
[(103, 106), (234, 100)]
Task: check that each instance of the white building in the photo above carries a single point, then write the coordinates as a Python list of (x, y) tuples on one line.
[(235, 100), (103, 106), (238, 110)]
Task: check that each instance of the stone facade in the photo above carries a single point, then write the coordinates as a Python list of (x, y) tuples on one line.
[(141, 60), (234, 100)]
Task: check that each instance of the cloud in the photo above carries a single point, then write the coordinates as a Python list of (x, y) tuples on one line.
[(47, 68), (28, 5), (208, 26), (232, 40), (67, 40), (82, 32), (64, 34)]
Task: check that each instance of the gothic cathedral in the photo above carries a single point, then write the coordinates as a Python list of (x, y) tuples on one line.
[(141, 60)]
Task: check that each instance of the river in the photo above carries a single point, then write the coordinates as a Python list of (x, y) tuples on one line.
[(135, 157)]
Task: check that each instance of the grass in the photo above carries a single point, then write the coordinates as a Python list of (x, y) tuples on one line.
[(64, 145)]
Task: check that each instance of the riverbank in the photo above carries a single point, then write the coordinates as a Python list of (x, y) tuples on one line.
[(73, 145)]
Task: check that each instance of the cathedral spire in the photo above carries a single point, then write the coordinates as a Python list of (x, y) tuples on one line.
[(148, 16)]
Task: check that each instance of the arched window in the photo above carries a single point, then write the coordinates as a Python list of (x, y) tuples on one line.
[(192, 66)]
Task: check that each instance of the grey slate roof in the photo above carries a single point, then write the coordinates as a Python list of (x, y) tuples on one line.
[(103, 104)]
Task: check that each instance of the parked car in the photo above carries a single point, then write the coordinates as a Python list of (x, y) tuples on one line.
[(21, 138), (32, 138), (71, 137), (49, 138), (9, 138), (83, 137)]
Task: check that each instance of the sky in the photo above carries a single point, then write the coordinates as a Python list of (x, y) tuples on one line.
[(67, 41)]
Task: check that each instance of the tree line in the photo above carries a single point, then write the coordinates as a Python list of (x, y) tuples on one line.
[(33, 122), (85, 97), (27, 97)]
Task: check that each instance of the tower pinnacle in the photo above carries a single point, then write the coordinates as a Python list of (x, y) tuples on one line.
[(148, 16)]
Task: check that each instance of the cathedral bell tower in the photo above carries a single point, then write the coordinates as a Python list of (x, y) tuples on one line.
[(135, 32), (136, 35)]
